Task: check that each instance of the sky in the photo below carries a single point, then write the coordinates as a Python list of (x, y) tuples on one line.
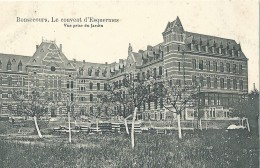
[(141, 23)]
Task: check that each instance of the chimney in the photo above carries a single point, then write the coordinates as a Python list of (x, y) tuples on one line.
[(83, 61), (37, 46), (61, 47), (106, 63), (74, 60)]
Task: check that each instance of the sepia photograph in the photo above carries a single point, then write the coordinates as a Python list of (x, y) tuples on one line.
[(142, 84)]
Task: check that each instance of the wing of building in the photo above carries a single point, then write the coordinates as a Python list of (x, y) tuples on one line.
[(217, 64)]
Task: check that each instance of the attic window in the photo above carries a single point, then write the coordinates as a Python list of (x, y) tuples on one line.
[(9, 65), (20, 66), (34, 60)]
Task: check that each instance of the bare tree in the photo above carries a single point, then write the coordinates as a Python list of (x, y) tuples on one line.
[(176, 98), (32, 104), (128, 96)]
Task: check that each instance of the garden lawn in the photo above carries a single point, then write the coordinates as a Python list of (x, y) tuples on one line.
[(202, 149)]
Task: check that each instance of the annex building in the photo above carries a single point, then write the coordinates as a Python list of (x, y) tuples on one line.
[(217, 64)]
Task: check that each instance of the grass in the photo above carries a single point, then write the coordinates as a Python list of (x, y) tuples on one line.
[(199, 149)]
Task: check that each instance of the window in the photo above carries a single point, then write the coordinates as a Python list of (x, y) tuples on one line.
[(149, 105), (144, 105), (215, 82), (167, 49), (160, 71), (91, 109), (20, 66), (91, 97), (194, 79), (226, 114), (105, 86), (201, 64), (221, 83), (71, 97), (212, 112), (143, 75), (178, 81), (98, 86), (206, 48), (241, 87), (80, 71), (155, 104), (234, 84), (71, 84), (0, 64), (170, 83), (238, 53), (208, 65), (228, 67), (9, 81), (53, 68), (208, 82), (154, 73), (179, 66), (161, 103), (90, 86), (148, 74), (234, 68), (1, 80), (213, 49), (221, 67), (59, 83), (240, 69), (215, 66), (201, 81), (9, 65), (228, 84), (68, 84), (194, 64), (219, 50)]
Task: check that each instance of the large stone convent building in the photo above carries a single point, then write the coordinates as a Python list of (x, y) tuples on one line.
[(218, 64)]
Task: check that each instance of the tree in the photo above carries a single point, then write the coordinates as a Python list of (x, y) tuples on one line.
[(247, 108), (176, 98), (32, 104), (127, 96)]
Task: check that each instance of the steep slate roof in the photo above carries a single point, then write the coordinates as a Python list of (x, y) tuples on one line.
[(14, 60), (94, 67), (47, 54), (212, 40)]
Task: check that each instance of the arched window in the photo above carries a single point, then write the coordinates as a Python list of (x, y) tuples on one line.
[(9, 65), (20, 66)]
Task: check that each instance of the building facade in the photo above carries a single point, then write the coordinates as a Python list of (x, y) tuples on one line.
[(218, 65)]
